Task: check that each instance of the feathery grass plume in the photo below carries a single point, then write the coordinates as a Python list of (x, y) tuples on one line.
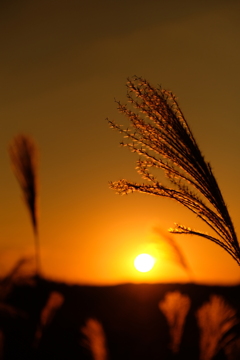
[(216, 319), (160, 134), (175, 307), (23, 155), (176, 253), (54, 302), (95, 339)]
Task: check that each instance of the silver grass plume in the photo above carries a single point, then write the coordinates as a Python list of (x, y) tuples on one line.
[(95, 339), (23, 155), (217, 321), (53, 304), (175, 307), (160, 134)]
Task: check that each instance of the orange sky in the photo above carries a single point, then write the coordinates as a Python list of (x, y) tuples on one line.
[(62, 64)]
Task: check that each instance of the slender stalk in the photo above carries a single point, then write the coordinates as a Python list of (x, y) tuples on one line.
[(37, 253)]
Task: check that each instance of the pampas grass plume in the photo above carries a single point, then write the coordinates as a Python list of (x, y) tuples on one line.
[(23, 155)]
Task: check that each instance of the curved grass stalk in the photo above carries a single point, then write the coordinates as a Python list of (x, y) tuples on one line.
[(160, 134)]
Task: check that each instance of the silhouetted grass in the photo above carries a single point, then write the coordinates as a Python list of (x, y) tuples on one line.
[(116, 322), (23, 155), (160, 134)]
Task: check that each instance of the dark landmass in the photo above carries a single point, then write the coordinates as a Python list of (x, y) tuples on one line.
[(129, 314)]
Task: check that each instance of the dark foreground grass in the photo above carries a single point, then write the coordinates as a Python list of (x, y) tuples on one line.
[(41, 319)]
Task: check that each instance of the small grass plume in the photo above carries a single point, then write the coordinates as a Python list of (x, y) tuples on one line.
[(217, 321), (160, 134), (175, 307), (53, 304), (23, 155), (95, 339)]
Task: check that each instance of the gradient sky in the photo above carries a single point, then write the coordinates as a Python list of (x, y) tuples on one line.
[(62, 64)]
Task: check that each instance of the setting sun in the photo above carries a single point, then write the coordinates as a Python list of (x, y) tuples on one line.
[(144, 262)]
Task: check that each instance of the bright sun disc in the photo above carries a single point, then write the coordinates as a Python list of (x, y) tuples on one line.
[(144, 262)]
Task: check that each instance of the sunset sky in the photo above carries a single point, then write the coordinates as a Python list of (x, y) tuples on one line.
[(62, 63)]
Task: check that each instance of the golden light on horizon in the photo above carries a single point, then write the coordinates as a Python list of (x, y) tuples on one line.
[(144, 262)]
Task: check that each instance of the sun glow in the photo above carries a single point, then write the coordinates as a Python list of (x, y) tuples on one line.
[(144, 262)]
